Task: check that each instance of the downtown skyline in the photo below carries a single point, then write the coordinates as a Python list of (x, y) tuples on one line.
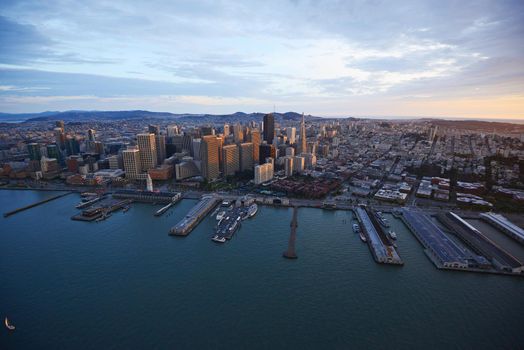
[(425, 59)]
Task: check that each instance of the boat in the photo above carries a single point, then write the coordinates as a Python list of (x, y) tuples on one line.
[(218, 239), (392, 234), (9, 325), (221, 215), (356, 228), (126, 209), (253, 208), (362, 237)]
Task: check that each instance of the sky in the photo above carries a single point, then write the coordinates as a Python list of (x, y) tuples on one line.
[(327, 58)]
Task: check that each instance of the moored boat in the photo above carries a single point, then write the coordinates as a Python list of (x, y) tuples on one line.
[(218, 239), (9, 325), (362, 237), (392, 234)]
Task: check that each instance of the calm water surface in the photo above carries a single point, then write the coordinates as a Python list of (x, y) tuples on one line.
[(125, 284)]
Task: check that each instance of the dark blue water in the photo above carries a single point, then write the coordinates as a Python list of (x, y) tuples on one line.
[(125, 284)]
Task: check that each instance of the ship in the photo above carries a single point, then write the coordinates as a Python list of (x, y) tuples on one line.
[(356, 228), (9, 325), (381, 219), (362, 237), (392, 234), (250, 212), (220, 215), (218, 239)]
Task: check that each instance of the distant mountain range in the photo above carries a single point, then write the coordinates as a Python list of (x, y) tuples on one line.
[(119, 115)]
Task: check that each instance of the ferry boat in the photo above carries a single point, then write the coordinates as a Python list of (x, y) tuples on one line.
[(392, 234), (218, 239), (381, 219), (250, 211), (9, 325), (362, 237), (221, 215), (356, 228)]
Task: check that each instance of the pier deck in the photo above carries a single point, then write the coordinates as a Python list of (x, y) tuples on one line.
[(12, 212)]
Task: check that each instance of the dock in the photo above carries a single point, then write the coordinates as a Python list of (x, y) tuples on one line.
[(95, 214), (12, 212), (147, 196), (290, 253), (194, 216), (89, 203), (230, 224), (165, 208), (381, 248)]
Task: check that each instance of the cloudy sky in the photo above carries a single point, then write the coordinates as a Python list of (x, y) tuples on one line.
[(328, 58)]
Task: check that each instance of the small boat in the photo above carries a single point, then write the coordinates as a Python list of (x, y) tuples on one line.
[(253, 208), (392, 234), (221, 215), (218, 239), (9, 325), (356, 228), (362, 237)]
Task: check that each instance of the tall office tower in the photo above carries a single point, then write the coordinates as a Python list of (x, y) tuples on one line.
[(207, 130), (226, 130), (263, 173), (34, 151), (160, 143), (299, 164), (288, 166), (60, 138), (153, 129), (114, 162), (246, 156), (147, 147), (72, 146), (312, 147), (53, 152), (195, 148), (210, 159), (172, 130), (238, 133), (91, 135), (269, 128), (266, 151), (290, 151), (255, 140), (311, 160), (220, 143), (187, 143), (230, 160), (303, 140), (131, 158), (291, 135), (98, 147), (60, 124)]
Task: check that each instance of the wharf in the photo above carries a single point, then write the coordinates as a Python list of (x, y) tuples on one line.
[(165, 208), (148, 197), (382, 250), (290, 253), (194, 216), (12, 212), (230, 224), (89, 203), (101, 212)]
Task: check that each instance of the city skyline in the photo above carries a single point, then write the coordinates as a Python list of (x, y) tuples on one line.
[(414, 59)]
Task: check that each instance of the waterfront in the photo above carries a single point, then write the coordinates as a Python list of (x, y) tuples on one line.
[(124, 283)]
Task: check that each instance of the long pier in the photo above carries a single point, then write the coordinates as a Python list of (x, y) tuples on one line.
[(194, 216), (12, 212), (290, 253)]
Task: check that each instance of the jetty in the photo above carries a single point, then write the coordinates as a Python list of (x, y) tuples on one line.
[(12, 212), (290, 253)]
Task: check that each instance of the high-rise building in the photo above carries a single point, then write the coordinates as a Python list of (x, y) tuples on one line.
[(298, 164), (60, 124), (160, 142), (98, 147), (195, 148), (153, 129), (148, 154), (290, 151), (263, 173), (255, 140), (230, 160), (53, 152), (269, 128), (115, 162), (72, 146), (209, 156), (238, 133), (226, 130), (131, 159), (291, 135), (303, 139), (207, 130), (172, 130), (288, 166), (91, 135), (266, 151), (310, 160), (34, 151), (246, 156), (60, 138)]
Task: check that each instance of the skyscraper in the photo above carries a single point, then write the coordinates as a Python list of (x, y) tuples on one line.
[(291, 133), (226, 130), (263, 173), (160, 141), (238, 133), (172, 130), (255, 140), (246, 156), (60, 138), (60, 124), (154, 129), (91, 135), (210, 159), (148, 154), (269, 128), (131, 158), (230, 160), (303, 144), (266, 151)]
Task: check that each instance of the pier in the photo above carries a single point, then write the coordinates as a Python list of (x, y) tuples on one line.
[(148, 197), (195, 215), (103, 212), (290, 253), (89, 203), (382, 250), (12, 212), (165, 208)]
